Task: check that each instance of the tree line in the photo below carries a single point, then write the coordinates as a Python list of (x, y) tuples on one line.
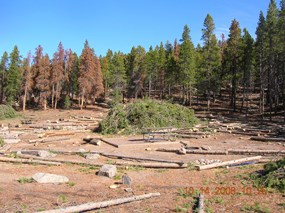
[(239, 62)]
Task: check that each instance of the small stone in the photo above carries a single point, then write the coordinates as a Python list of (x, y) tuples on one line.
[(49, 178), (108, 171), (128, 190), (45, 154), (148, 149), (96, 141), (92, 156), (81, 150), (18, 125), (114, 186), (205, 148)]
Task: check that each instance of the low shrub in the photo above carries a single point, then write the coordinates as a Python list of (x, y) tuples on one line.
[(7, 111), (136, 116)]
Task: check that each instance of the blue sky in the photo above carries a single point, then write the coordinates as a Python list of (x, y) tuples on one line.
[(115, 24)]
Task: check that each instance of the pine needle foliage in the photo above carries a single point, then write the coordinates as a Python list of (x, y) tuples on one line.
[(147, 113)]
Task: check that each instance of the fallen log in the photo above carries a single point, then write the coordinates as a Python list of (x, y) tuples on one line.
[(53, 134), (255, 152), (268, 139), (187, 136), (140, 159), (152, 165), (203, 152), (28, 161), (103, 204), (45, 140), (201, 207), (227, 163)]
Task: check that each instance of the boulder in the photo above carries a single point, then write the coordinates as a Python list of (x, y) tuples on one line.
[(108, 170), (92, 156), (49, 178)]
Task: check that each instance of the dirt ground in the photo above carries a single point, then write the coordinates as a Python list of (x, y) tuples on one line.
[(225, 189)]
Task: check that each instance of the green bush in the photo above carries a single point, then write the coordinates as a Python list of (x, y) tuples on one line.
[(136, 116), (273, 176), (7, 112)]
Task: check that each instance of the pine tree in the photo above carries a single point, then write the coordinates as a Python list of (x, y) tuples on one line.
[(43, 80), (57, 75), (211, 58), (271, 54), (186, 65), (73, 77), (152, 69), (90, 79), (260, 46), (3, 71), (233, 52), (136, 71), (281, 51), (161, 69), (13, 85), (27, 79), (247, 66)]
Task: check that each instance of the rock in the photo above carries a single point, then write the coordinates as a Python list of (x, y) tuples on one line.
[(45, 154), (81, 150), (205, 148), (18, 125), (148, 149), (92, 156), (108, 170), (182, 151), (128, 190), (96, 141), (114, 186), (49, 178), (195, 129)]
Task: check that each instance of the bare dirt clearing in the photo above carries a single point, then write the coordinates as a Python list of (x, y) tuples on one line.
[(85, 186)]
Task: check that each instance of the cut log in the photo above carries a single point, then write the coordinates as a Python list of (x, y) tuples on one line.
[(63, 133), (268, 139), (45, 140), (28, 161), (227, 163), (152, 165), (187, 136), (201, 208), (255, 152), (140, 159), (103, 204), (202, 152)]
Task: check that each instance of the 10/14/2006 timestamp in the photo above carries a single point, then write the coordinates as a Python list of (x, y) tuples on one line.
[(227, 190)]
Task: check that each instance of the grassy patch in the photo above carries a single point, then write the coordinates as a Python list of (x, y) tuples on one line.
[(88, 169), (24, 180), (255, 208), (2, 143), (62, 198), (71, 184), (147, 113)]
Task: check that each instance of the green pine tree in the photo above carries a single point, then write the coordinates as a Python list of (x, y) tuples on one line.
[(13, 83), (186, 66)]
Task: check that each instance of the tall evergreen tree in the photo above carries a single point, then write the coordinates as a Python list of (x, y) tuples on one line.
[(247, 66), (3, 71), (57, 75), (90, 78), (233, 52), (43, 80), (136, 71), (13, 85), (281, 51), (260, 46), (271, 54), (27, 80), (211, 58), (186, 65)]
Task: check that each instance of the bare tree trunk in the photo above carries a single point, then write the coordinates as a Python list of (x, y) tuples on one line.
[(45, 104), (52, 96), (24, 98)]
